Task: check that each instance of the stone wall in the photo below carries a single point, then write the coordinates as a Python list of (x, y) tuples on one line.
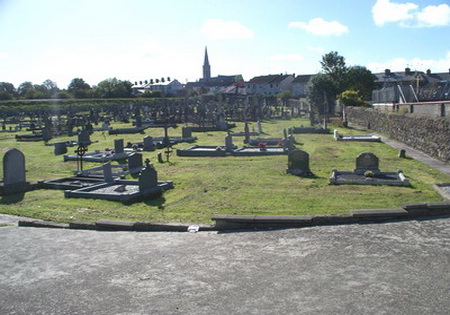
[(426, 134)]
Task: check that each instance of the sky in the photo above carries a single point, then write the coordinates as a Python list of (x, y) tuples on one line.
[(139, 40)]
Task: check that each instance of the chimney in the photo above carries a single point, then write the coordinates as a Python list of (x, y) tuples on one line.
[(387, 71), (407, 71), (428, 72)]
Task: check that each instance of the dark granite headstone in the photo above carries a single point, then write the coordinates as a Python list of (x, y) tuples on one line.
[(84, 138), (135, 161), (186, 132), (229, 146), (60, 148), (148, 178), (148, 144), (298, 163), (367, 162), (118, 146), (107, 173)]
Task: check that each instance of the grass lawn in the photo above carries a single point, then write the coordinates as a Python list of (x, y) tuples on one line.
[(226, 185)]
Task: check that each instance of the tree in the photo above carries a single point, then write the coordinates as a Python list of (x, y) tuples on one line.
[(24, 89), (80, 89), (114, 88), (7, 91), (334, 65), (51, 86), (352, 98), (321, 93), (360, 79)]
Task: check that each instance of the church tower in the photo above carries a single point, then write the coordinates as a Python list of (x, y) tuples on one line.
[(206, 67)]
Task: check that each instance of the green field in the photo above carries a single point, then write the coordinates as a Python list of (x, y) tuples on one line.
[(225, 185)]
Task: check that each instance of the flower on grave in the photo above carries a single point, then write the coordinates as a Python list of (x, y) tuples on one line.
[(369, 174), (280, 144), (262, 144)]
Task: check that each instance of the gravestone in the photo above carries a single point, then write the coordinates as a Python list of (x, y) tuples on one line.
[(258, 124), (247, 133), (148, 178), (298, 163), (229, 146), (138, 121), (186, 132), (367, 162), (135, 161), (84, 138), (118, 146), (107, 173), (46, 134), (60, 148), (148, 144), (402, 153), (14, 173)]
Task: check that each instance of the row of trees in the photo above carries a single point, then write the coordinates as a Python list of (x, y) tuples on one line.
[(78, 88), (352, 85)]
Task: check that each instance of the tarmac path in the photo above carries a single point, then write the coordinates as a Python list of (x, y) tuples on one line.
[(390, 268)]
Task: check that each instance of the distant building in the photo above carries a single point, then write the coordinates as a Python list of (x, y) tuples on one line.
[(411, 86), (269, 84), (299, 85), (231, 84), (166, 86)]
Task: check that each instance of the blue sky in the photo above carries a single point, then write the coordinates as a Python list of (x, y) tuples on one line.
[(144, 39)]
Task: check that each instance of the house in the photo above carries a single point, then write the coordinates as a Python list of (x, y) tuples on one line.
[(299, 85), (410, 86), (166, 87), (269, 84)]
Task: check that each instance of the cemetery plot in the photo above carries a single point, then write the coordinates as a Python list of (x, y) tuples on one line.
[(368, 173), (147, 187), (231, 149), (118, 153), (366, 138), (302, 129)]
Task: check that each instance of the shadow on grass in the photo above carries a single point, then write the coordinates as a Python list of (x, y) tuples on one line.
[(156, 203), (12, 199)]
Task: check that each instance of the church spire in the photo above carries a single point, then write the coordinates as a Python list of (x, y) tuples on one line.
[(206, 66)]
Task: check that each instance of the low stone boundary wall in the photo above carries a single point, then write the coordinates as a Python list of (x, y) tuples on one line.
[(426, 134), (408, 211)]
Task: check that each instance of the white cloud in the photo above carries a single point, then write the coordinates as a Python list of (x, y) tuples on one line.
[(419, 64), (287, 57), (319, 26), (218, 29), (409, 14), (434, 16)]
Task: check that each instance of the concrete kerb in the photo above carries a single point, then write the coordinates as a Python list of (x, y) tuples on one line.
[(408, 211)]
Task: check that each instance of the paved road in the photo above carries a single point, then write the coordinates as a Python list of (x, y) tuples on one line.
[(391, 268)]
